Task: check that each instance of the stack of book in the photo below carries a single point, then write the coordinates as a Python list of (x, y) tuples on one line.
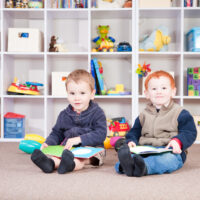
[(69, 3)]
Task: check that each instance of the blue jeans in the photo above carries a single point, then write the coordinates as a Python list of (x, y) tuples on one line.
[(159, 163)]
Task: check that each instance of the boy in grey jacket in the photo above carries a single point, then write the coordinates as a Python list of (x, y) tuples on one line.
[(162, 123)]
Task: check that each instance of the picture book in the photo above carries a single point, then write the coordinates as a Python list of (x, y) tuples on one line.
[(79, 152), (99, 73), (142, 150)]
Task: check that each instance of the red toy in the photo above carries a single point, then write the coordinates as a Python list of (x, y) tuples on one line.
[(118, 127)]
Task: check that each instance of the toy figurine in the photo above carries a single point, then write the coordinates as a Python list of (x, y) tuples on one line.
[(103, 42), (142, 71), (56, 45), (156, 41), (9, 4)]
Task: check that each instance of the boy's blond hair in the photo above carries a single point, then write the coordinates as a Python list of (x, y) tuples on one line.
[(81, 75), (158, 74)]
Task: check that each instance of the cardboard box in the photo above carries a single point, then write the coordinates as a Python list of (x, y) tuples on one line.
[(197, 123), (58, 83), (155, 3), (24, 40)]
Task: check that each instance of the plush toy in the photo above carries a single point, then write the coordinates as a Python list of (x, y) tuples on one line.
[(56, 45), (158, 40), (110, 3), (103, 42)]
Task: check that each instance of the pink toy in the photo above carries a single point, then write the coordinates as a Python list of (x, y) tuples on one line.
[(113, 140)]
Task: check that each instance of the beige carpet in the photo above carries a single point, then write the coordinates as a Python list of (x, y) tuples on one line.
[(20, 179)]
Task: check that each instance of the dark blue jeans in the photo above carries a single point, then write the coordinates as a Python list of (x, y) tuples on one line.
[(160, 163)]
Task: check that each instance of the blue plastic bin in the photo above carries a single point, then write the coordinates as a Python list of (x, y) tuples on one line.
[(193, 39), (14, 125)]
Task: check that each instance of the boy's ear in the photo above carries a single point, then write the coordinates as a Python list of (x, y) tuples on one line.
[(146, 94), (173, 92), (93, 94)]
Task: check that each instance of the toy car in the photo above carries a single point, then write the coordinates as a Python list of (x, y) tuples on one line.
[(124, 46), (118, 127)]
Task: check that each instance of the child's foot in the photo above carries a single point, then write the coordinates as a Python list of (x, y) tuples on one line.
[(42, 161), (126, 161), (67, 163), (140, 167)]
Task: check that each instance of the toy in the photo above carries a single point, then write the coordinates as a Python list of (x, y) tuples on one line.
[(119, 90), (113, 140), (124, 46), (156, 41), (56, 45), (34, 137), (29, 88), (107, 144), (28, 146), (14, 125), (103, 42), (128, 4), (35, 4), (193, 39), (142, 71), (193, 81), (110, 3), (118, 127)]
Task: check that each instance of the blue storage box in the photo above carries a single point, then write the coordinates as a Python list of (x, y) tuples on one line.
[(193, 39), (14, 125)]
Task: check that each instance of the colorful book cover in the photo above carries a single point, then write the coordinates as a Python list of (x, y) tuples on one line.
[(143, 150), (99, 76), (79, 152)]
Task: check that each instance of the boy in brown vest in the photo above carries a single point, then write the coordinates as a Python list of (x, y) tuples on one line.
[(162, 123)]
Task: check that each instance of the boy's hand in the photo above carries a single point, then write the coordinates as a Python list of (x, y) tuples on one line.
[(44, 145), (71, 142), (131, 144), (175, 146)]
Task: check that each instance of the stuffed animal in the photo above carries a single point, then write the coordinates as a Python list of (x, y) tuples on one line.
[(110, 3), (104, 42), (158, 40)]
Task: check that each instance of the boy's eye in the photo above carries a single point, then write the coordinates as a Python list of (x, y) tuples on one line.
[(153, 88), (72, 93), (164, 88), (82, 92)]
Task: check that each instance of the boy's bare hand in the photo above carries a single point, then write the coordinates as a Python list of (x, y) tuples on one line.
[(71, 142), (175, 146), (44, 145), (131, 144)]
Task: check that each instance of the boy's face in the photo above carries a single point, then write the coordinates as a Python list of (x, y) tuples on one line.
[(79, 95), (159, 91)]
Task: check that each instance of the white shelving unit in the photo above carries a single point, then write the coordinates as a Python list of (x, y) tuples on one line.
[(77, 27)]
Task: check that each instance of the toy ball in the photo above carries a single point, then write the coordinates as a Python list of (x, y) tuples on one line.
[(113, 140), (107, 144), (34, 137), (28, 146)]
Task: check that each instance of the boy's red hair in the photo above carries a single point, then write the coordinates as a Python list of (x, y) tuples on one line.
[(158, 74)]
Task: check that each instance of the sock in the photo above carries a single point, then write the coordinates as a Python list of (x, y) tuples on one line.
[(126, 160), (140, 167), (42, 161), (67, 163)]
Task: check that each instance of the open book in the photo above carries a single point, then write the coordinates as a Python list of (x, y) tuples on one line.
[(79, 152), (148, 150)]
